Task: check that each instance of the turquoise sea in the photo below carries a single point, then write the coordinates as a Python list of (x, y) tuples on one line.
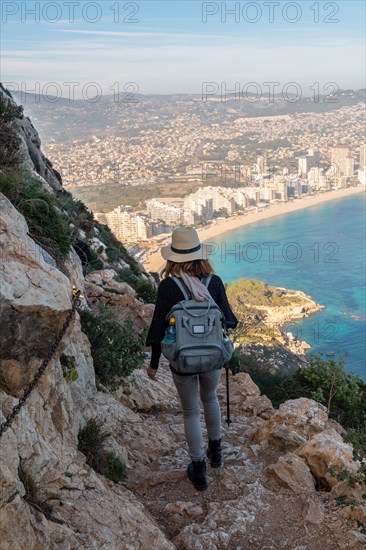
[(319, 250)]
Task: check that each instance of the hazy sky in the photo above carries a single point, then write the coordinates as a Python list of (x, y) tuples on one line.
[(175, 46)]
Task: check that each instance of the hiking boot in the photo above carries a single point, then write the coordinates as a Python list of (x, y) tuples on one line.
[(196, 472), (214, 453)]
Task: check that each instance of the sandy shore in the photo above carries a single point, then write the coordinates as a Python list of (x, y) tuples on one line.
[(156, 263)]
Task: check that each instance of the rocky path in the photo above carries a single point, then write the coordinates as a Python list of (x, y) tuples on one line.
[(246, 506)]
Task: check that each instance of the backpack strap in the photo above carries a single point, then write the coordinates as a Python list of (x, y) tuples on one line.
[(183, 287), (206, 280)]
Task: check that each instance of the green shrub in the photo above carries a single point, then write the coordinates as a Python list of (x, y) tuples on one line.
[(146, 291), (73, 206), (113, 254), (32, 496), (95, 264), (30, 486), (116, 470), (358, 441), (117, 251), (343, 500), (115, 348), (46, 225), (244, 363), (10, 152), (252, 292), (69, 369), (91, 439), (324, 380), (127, 276), (77, 212)]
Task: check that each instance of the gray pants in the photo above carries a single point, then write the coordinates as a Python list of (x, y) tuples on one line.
[(187, 387)]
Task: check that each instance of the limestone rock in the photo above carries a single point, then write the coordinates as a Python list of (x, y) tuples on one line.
[(245, 385), (324, 450), (356, 512), (30, 150), (245, 396), (260, 405), (74, 271), (122, 306), (283, 314), (179, 508), (292, 472), (356, 539), (332, 424), (293, 423), (140, 393), (73, 507), (105, 278), (354, 493), (315, 513), (284, 436), (35, 300), (101, 276)]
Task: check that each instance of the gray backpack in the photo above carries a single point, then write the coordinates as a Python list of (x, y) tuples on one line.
[(201, 344)]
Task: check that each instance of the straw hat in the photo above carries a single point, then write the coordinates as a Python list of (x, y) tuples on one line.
[(185, 246)]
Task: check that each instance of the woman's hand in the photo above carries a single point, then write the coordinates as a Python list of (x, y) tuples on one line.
[(151, 373)]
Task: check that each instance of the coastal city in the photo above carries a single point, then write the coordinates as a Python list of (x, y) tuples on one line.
[(190, 168)]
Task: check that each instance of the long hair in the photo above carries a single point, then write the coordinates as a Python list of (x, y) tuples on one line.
[(196, 268)]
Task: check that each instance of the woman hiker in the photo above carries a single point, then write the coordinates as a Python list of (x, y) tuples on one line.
[(187, 258)]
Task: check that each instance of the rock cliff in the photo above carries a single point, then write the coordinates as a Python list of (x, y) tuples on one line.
[(274, 490)]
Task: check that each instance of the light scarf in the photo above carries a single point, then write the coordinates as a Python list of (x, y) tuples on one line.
[(198, 289)]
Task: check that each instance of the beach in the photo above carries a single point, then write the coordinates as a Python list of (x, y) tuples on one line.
[(155, 262)]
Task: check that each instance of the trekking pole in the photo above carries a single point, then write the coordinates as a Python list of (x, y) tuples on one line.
[(228, 419)]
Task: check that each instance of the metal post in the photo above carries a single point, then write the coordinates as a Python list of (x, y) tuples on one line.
[(228, 419)]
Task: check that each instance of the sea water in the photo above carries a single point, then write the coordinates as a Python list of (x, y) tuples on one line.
[(319, 250)]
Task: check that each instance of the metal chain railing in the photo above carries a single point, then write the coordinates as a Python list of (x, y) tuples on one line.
[(76, 295)]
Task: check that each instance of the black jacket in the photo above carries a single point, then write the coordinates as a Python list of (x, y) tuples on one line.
[(170, 294)]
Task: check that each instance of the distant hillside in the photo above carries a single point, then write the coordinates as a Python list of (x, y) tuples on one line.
[(60, 120)]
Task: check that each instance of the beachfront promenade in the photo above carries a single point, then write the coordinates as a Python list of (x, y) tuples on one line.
[(155, 262)]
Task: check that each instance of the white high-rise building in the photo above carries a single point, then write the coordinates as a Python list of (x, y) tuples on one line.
[(317, 179), (240, 197), (349, 166), (267, 194), (309, 161), (159, 210), (342, 182), (316, 156), (294, 188), (126, 225), (188, 217), (143, 227), (363, 156), (361, 175), (253, 194), (304, 166), (122, 222), (339, 160), (262, 167), (101, 218), (202, 207), (220, 196)]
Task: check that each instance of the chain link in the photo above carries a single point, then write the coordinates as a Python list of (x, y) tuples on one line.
[(28, 390)]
